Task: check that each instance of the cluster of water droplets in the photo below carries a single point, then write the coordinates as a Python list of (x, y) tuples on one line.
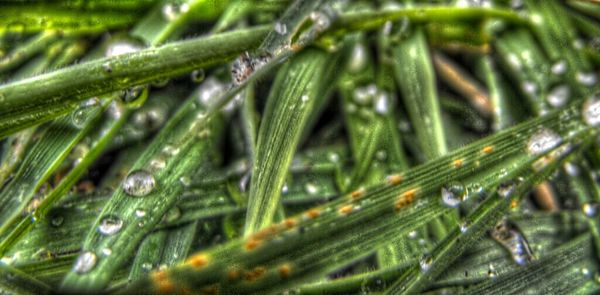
[(366, 96), (511, 238)]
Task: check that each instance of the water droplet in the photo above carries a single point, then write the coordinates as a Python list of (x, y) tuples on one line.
[(123, 45), (559, 67), (110, 225), (106, 251), (514, 62), (413, 234), (140, 213), (197, 76), (160, 83), (157, 164), (586, 79), (464, 226), (511, 238), (304, 98), (426, 262), (559, 95), (57, 221), (571, 169), (170, 150), (591, 111), (506, 189), (134, 97), (333, 157), (321, 20), (358, 58), (529, 87), (311, 188), (185, 181), (453, 194), (285, 188), (280, 28), (381, 155), (107, 68), (84, 112), (172, 215), (139, 183), (151, 118), (147, 266), (492, 273), (85, 262), (590, 209), (382, 103), (209, 91), (543, 141), (170, 11)]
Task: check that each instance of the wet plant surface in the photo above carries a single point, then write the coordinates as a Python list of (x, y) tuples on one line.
[(299, 147)]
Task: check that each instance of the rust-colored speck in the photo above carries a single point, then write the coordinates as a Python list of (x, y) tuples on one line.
[(394, 179), (285, 270), (347, 209), (198, 260), (313, 213), (488, 149)]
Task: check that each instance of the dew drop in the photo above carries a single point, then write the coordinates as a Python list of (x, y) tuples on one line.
[(186, 181), (358, 58), (571, 169), (464, 226), (280, 28), (586, 79), (172, 215), (506, 189), (170, 11), (559, 67), (147, 266), (83, 113), (140, 213), (197, 76), (591, 111), (543, 141), (139, 183), (110, 225), (365, 95), (426, 262), (123, 46), (170, 150), (382, 104), (413, 234), (453, 194), (311, 188), (157, 164), (106, 251), (511, 238), (209, 91), (590, 209), (134, 97), (559, 95), (492, 273), (529, 87), (85, 262)]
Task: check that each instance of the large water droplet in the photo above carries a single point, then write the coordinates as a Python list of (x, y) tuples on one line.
[(591, 111), (209, 91), (139, 183), (453, 194), (559, 95), (543, 141), (85, 262), (110, 225), (84, 112), (511, 238)]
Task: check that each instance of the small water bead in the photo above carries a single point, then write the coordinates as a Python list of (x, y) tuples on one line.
[(492, 273), (134, 97), (426, 262), (197, 76), (139, 183), (382, 104), (209, 90), (453, 194), (514, 62), (157, 164), (464, 226), (170, 150), (333, 157), (591, 111), (172, 215), (304, 98), (106, 251), (171, 11), (123, 46), (413, 234), (506, 189), (529, 87), (110, 225), (85, 262), (590, 209), (280, 28), (365, 95), (571, 169), (147, 266), (511, 238), (559, 95), (186, 181), (586, 79), (321, 20), (543, 141), (151, 118), (84, 112), (559, 67), (311, 188), (140, 213)]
